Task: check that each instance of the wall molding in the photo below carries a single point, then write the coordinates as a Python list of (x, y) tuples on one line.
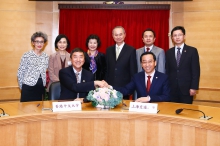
[(119, 6)]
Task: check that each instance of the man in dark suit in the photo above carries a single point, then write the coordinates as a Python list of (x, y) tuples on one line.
[(75, 81), (121, 60), (182, 67), (151, 85)]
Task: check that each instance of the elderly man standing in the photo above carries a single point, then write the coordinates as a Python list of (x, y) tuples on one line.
[(121, 60)]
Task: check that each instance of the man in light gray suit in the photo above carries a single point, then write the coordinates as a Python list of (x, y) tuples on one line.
[(148, 38)]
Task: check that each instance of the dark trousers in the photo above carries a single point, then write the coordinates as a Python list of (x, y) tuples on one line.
[(32, 93), (177, 96)]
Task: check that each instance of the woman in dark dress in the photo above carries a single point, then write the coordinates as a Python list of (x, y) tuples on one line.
[(94, 60)]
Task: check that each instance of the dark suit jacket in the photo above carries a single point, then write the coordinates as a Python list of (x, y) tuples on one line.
[(120, 72), (186, 76), (100, 63), (159, 90), (69, 86)]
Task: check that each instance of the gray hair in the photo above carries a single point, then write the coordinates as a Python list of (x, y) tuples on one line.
[(39, 34), (118, 27)]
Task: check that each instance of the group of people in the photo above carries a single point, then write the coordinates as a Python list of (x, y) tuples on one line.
[(148, 73)]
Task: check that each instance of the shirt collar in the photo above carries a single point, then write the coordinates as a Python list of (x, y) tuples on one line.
[(151, 47), (152, 74), (121, 46), (77, 71), (181, 47)]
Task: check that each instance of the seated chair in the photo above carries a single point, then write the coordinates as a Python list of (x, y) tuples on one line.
[(54, 91)]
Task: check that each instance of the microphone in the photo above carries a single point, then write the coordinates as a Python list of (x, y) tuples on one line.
[(3, 113), (204, 117)]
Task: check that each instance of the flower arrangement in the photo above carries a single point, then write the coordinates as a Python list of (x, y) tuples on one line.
[(105, 96)]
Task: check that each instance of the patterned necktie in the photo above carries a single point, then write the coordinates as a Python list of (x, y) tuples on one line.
[(77, 77), (148, 49), (148, 83), (178, 56), (117, 52)]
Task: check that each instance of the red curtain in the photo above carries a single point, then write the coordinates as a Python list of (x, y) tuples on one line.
[(78, 24)]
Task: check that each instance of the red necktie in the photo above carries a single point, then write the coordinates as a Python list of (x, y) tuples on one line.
[(148, 49), (148, 83)]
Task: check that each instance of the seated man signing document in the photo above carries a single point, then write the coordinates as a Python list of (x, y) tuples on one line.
[(151, 85), (75, 81)]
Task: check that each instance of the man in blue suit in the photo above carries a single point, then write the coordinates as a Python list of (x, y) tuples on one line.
[(75, 81), (151, 85)]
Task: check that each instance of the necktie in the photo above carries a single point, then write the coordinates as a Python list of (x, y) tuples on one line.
[(148, 49), (178, 56), (148, 83), (77, 79), (117, 52)]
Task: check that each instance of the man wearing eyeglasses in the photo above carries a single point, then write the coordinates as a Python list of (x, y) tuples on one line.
[(182, 68)]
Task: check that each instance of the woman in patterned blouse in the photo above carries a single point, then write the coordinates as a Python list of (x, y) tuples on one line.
[(95, 60), (32, 69)]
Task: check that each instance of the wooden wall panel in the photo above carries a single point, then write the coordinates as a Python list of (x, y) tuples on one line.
[(201, 20), (20, 19)]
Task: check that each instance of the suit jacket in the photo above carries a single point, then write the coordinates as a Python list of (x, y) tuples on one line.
[(159, 90), (188, 73), (120, 71), (55, 66), (160, 58), (69, 86), (100, 63)]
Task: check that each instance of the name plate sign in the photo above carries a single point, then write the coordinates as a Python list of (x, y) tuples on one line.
[(67, 106), (143, 107)]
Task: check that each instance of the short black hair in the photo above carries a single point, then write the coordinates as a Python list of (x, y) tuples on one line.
[(59, 37), (39, 34), (147, 53), (77, 50), (149, 29), (93, 36), (178, 28)]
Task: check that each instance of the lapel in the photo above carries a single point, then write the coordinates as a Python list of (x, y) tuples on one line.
[(123, 51), (114, 53), (67, 56), (58, 62), (153, 49), (173, 56), (142, 82), (154, 81), (183, 55), (83, 75), (72, 73)]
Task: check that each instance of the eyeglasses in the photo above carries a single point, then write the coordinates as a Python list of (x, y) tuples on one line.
[(39, 42), (177, 35)]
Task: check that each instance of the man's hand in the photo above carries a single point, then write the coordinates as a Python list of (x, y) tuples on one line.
[(192, 92), (79, 99), (101, 84), (143, 99)]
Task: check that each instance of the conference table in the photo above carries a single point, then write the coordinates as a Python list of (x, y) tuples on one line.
[(28, 125)]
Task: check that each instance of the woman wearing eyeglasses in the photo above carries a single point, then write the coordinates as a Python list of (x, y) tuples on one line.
[(95, 60), (32, 69), (60, 59)]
